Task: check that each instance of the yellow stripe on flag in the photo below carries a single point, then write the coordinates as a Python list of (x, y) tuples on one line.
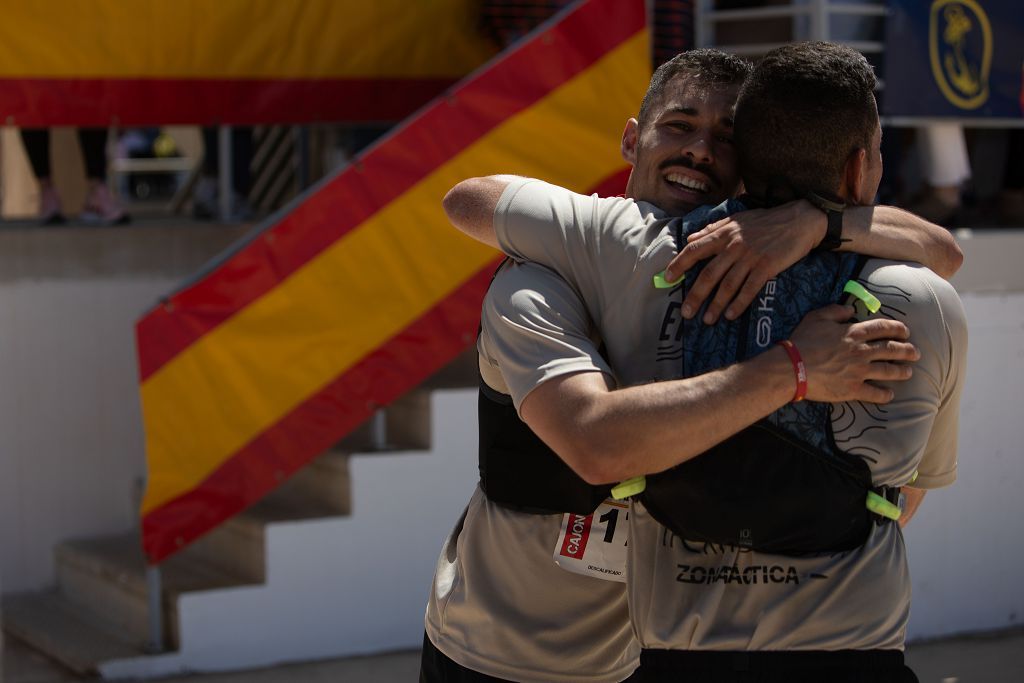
[(241, 39), (253, 369)]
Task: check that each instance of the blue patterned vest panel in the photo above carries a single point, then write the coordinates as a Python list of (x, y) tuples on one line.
[(814, 282), (780, 485)]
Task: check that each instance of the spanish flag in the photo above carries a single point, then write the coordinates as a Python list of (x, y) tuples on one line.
[(68, 62), (363, 290)]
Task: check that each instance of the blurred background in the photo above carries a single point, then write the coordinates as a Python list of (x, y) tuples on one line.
[(236, 351)]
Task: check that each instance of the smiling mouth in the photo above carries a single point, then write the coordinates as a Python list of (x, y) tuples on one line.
[(687, 183)]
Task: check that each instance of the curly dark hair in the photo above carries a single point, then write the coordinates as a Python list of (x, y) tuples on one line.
[(704, 67), (804, 109)]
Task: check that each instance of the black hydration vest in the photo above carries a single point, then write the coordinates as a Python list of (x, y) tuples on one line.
[(781, 485), (518, 470)]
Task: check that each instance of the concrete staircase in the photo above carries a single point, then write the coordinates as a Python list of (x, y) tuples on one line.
[(99, 611)]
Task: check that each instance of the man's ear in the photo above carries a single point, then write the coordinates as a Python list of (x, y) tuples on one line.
[(630, 137), (854, 174)]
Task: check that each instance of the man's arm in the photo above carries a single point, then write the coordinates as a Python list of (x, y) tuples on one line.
[(470, 206), (749, 248), (609, 435), (533, 221), (892, 233)]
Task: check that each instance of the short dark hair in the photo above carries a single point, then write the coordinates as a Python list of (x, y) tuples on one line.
[(704, 67), (804, 109)]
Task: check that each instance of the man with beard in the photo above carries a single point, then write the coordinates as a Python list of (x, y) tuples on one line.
[(500, 607)]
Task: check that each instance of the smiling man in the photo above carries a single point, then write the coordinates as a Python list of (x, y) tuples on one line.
[(817, 597), (501, 608), (676, 173)]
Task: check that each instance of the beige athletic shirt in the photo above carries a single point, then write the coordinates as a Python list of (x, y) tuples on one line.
[(500, 605), (684, 595)]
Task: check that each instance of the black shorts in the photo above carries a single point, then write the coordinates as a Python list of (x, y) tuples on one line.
[(437, 667), (843, 666)]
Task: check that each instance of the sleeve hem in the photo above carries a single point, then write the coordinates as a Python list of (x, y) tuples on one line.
[(555, 373), (934, 481), (508, 195)]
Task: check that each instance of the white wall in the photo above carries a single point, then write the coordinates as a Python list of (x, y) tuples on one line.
[(71, 444), (966, 544)]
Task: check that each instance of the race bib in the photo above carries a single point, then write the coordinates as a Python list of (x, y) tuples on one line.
[(595, 544)]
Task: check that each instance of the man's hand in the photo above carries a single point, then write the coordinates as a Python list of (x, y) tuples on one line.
[(842, 358), (912, 500), (748, 249)]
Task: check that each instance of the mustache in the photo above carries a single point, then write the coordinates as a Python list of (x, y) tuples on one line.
[(688, 163)]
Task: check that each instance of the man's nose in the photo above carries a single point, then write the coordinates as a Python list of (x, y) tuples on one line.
[(699, 149)]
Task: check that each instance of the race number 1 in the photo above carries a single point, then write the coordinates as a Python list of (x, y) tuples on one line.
[(595, 544)]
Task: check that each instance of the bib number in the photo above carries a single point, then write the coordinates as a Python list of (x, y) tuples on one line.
[(595, 544)]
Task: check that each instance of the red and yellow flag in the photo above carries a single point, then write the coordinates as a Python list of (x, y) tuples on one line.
[(68, 62), (363, 290)]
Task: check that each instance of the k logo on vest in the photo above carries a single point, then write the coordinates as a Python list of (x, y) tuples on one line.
[(765, 308)]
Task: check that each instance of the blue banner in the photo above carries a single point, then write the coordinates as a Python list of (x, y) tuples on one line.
[(962, 58)]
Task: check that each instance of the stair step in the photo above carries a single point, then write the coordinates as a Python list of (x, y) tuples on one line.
[(461, 373), (57, 628), (238, 546), (407, 422), (322, 485), (102, 589), (107, 576)]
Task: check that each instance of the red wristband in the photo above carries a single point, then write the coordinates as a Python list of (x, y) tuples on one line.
[(798, 368)]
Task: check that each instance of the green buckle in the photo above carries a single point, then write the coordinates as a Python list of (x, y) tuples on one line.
[(869, 300), (630, 487), (880, 506), (661, 283)]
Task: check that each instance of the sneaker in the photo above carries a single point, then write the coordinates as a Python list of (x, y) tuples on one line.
[(206, 203), (204, 199), (101, 208), (50, 212)]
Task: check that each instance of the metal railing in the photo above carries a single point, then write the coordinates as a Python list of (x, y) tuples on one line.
[(818, 15)]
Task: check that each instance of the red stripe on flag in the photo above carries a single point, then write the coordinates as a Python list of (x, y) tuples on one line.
[(42, 102), (406, 360), (512, 83), (614, 185)]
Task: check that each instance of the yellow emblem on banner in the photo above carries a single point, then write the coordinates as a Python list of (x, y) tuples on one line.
[(960, 45)]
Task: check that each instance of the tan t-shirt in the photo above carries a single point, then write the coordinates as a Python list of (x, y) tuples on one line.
[(684, 595), (500, 605)]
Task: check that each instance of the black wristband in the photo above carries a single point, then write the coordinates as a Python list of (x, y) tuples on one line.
[(833, 211)]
